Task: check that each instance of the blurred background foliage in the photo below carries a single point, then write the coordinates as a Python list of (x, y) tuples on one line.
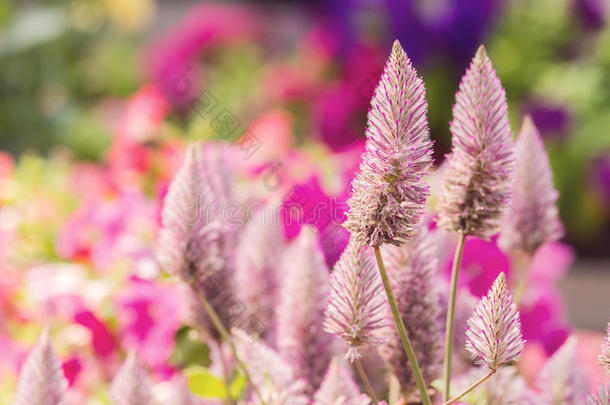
[(67, 67)]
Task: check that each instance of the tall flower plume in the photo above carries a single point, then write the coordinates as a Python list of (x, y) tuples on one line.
[(411, 270), (562, 380), (42, 380), (604, 357), (339, 388), (131, 385), (301, 339), (356, 308), (256, 260), (494, 335), (275, 378), (481, 164), (532, 212), (389, 194), (601, 397)]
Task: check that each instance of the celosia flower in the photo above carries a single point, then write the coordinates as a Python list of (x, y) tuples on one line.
[(562, 380), (259, 249), (604, 357), (131, 385), (356, 308), (532, 215), (601, 397), (339, 388), (301, 339), (275, 379), (411, 270), (41, 381), (389, 193), (192, 242), (480, 166), (494, 335)]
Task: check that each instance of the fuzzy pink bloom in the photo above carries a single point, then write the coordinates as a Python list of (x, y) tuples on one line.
[(339, 388), (389, 194), (131, 385), (562, 380), (494, 335), (357, 306), (533, 217), (301, 339), (193, 243), (41, 381), (260, 247), (274, 377), (604, 357), (601, 397), (411, 270), (481, 164)]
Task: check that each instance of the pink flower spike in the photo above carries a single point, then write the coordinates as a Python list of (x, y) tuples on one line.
[(388, 195), (481, 164), (131, 385), (604, 357), (339, 388), (532, 215), (494, 335), (41, 381), (356, 308)]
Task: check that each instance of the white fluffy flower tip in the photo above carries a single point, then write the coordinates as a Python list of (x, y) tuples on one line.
[(131, 385), (356, 307), (532, 215), (42, 380), (494, 335)]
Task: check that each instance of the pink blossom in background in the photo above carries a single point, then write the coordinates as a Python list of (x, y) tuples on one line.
[(72, 368), (102, 339)]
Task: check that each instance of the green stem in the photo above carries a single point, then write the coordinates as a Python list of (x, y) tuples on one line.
[(449, 328), (472, 387), (402, 331), (224, 334), (523, 278), (366, 382)]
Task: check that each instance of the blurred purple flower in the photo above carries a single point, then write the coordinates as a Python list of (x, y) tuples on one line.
[(552, 120), (600, 176), (593, 13)]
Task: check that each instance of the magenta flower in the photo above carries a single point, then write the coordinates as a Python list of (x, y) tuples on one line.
[(411, 270), (41, 381), (562, 380), (533, 216), (494, 335), (604, 357), (131, 385), (301, 339), (481, 163), (389, 194), (339, 388), (356, 307)]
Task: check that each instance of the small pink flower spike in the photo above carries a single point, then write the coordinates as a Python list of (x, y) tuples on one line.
[(339, 388), (604, 357), (494, 335), (42, 380), (131, 385), (481, 164), (532, 218), (356, 308), (389, 193)]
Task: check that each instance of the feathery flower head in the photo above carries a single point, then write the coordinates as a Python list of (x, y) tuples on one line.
[(604, 357), (301, 339), (356, 308), (389, 193), (533, 217), (562, 380), (131, 385), (42, 380), (494, 335), (411, 269), (481, 163), (275, 378), (601, 397), (339, 388)]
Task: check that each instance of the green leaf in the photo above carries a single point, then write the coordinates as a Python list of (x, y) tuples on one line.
[(237, 386), (204, 384)]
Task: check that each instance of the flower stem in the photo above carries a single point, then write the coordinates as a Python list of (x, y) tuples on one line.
[(365, 381), (224, 334), (402, 331), (449, 328), (472, 387), (523, 278)]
